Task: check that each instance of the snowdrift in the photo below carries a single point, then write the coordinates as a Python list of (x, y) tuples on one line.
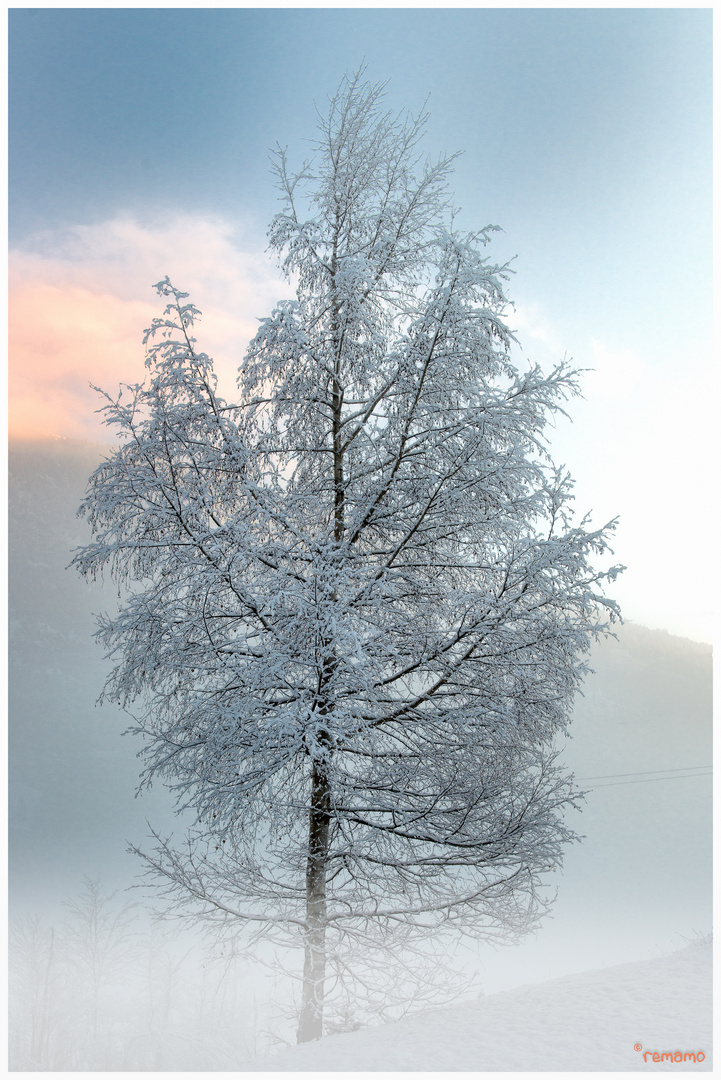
[(612, 1019)]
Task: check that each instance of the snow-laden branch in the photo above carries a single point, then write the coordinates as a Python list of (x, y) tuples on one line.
[(357, 602)]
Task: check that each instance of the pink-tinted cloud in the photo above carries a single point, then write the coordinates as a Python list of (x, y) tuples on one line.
[(79, 303)]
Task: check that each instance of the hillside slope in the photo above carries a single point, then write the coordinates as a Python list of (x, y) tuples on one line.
[(590, 1022)]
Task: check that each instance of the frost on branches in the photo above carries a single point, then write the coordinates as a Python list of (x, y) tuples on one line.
[(357, 603)]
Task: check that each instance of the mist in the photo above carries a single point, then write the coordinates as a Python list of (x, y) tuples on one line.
[(143, 994)]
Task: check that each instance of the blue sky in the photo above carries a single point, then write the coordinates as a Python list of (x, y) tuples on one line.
[(586, 135)]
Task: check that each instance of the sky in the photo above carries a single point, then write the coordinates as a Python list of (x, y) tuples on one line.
[(139, 143)]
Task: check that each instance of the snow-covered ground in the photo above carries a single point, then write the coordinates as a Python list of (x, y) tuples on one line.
[(611, 1019)]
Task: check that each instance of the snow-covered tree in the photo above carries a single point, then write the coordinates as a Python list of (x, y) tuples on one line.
[(357, 602)]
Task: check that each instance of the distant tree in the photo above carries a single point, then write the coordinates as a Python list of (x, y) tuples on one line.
[(32, 984), (99, 939), (357, 602), (64, 986)]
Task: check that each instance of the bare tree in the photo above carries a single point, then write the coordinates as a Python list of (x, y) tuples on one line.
[(358, 604), (99, 942), (33, 975), (66, 988)]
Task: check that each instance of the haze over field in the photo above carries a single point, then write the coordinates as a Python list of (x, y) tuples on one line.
[(637, 885), (640, 879)]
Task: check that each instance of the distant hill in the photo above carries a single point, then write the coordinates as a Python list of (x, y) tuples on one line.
[(641, 877), (72, 778)]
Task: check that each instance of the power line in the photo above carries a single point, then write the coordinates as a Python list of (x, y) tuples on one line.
[(645, 772), (653, 779)]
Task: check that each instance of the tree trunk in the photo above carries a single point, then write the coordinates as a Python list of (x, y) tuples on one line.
[(311, 1013)]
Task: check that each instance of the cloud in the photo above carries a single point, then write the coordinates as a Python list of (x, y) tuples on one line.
[(80, 300), (616, 373), (639, 445), (61, 338), (533, 330)]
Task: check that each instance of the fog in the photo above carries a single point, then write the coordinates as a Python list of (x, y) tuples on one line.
[(141, 995)]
